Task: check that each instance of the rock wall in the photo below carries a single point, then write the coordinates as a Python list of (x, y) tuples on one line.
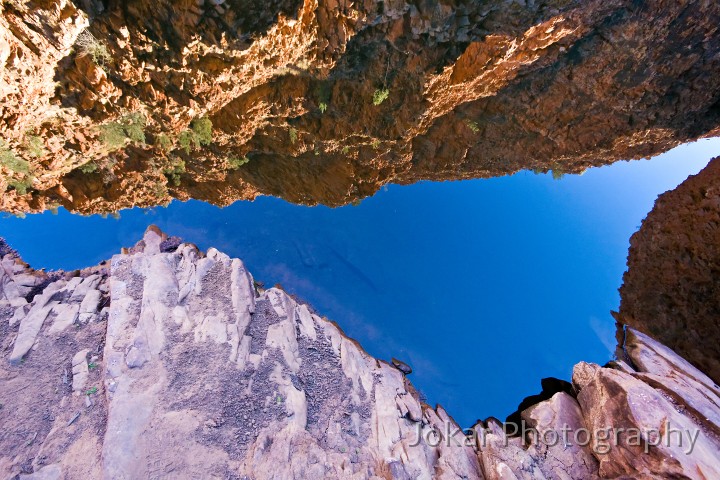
[(169, 362), (325, 101), (671, 288)]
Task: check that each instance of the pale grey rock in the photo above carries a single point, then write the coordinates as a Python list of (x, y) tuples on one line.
[(65, 315), (205, 377), (89, 306), (48, 472), (80, 371)]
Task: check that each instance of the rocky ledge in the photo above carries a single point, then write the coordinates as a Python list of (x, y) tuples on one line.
[(109, 104), (671, 288), (167, 362)]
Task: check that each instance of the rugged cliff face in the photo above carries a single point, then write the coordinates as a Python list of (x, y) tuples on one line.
[(671, 289), (107, 104), (168, 362)]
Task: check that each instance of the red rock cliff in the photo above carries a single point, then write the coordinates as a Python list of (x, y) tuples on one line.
[(104, 105)]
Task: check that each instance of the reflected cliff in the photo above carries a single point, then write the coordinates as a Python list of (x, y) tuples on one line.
[(324, 102)]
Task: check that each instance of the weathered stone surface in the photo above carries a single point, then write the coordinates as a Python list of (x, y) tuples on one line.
[(292, 86), (671, 289), (200, 375)]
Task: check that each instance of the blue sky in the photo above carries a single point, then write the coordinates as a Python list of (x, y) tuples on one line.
[(483, 286)]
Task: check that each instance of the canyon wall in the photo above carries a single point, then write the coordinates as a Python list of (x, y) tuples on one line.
[(169, 362), (106, 105), (671, 289)]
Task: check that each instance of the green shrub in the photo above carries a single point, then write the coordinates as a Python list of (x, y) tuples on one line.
[(35, 146), (293, 135), (185, 140), (163, 142), (89, 45), (12, 162), (21, 186), (199, 133), (323, 107), (473, 126), (131, 126), (88, 168), (235, 163), (380, 96), (174, 171), (202, 128), (134, 127)]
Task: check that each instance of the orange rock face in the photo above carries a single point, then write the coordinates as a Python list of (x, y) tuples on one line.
[(325, 101), (671, 289)]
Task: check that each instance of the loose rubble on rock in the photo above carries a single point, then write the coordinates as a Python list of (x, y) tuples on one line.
[(167, 363)]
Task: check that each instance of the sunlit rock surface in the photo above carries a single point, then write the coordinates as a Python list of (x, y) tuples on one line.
[(325, 101), (169, 362)]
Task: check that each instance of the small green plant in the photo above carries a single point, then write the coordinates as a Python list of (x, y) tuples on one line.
[(345, 150), (92, 365), (472, 125), (88, 168), (375, 144), (34, 146), (12, 162), (134, 127), (323, 107), (21, 186), (380, 96), (131, 126), (92, 391), (163, 142), (202, 128), (89, 45), (293, 135), (174, 171), (199, 133), (235, 163), (185, 140)]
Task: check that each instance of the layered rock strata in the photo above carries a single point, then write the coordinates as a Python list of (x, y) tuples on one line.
[(168, 362), (106, 105)]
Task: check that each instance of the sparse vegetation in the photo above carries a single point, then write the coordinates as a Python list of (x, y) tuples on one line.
[(557, 173), (375, 144), (92, 391), (174, 171), (185, 140), (380, 96), (472, 125), (89, 45), (163, 142), (12, 162), (235, 163), (202, 128), (345, 150), (88, 168), (199, 134), (293, 135), (34, 146), (21, 186), (323, 107), (128, 127)]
